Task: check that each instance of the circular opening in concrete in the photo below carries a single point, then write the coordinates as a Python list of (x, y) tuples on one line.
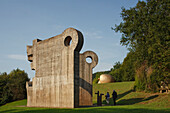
[(89, 59), (67, 41)]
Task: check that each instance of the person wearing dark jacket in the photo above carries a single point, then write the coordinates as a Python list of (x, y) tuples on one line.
[(114, 96)]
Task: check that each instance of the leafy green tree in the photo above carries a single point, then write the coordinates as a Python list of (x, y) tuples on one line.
[(117, 74), (17, 83), (126, 70), (117, 65), (128, 67), (13, 86), (4, 95), (145, 29)]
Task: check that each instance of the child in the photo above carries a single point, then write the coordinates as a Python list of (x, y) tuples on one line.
[(107, 97)]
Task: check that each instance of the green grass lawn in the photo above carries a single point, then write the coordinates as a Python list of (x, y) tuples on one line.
[(128, 102)]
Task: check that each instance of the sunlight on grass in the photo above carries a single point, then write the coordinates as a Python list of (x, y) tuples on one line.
[(128, 102)]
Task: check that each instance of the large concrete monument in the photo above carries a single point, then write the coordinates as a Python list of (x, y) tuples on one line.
[(63, 78)]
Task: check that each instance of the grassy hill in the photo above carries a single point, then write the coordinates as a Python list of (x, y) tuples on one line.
[(126, 95), (128, 102)]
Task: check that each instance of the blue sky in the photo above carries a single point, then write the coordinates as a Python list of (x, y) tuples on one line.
[(22, 21)]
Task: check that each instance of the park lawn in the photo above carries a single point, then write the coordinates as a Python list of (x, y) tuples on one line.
[(128, 102)]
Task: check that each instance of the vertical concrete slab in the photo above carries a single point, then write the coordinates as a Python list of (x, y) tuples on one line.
[(58, 66), (85, 80)]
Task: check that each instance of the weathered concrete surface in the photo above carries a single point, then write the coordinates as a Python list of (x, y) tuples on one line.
[(85, 80), (62, 73)]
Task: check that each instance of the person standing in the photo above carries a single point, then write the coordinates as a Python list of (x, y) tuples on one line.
[(107, 97), (114, 96)]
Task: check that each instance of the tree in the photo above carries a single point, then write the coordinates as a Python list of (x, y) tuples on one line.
[(126, 70), (117, 65), (5, 94), (128, 67), (13, 86), (17, 83), (145, 29)]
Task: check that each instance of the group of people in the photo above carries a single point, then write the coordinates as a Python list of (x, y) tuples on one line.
[(114, 96)]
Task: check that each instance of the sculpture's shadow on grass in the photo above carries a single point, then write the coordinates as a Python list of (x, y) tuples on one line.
[(97, 109), (135, 100), (130, 101), (90, 110), (124, 94)]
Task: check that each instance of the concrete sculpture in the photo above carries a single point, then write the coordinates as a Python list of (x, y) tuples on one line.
[(63, 78), (105, 78)]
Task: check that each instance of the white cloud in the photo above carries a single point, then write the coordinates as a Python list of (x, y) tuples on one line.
[(17, 57), (93, 34)]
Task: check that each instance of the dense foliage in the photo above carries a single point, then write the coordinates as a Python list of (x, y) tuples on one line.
[(145, 30), (120, 72), (13, 86), (126, 70)]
